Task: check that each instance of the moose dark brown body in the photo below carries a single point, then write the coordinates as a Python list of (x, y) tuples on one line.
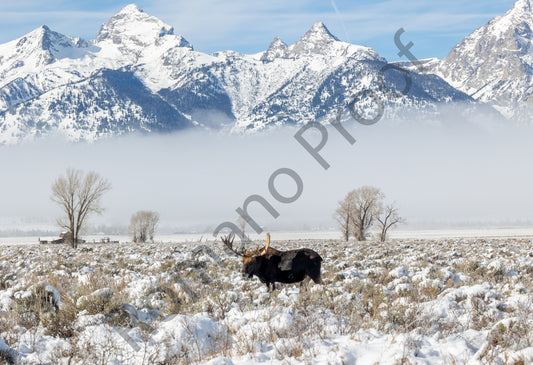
[(272, 266)]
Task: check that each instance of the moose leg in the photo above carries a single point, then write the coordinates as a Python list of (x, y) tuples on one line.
[(314, 272), (304, 284)]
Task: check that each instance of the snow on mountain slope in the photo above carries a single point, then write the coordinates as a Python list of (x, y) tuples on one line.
[(33, 52), (494, 64), (16, 92), (110, 102), (312, 78), (50, 82), (131, 34)]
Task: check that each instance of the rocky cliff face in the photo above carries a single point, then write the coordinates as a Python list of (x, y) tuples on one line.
[(494, 63)]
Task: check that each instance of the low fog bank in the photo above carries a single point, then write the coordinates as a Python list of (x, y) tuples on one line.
[(443, 175)]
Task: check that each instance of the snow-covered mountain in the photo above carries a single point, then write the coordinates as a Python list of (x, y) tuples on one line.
[(494, 64), (138, 76)]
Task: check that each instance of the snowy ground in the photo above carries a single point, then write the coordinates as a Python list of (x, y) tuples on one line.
[(410, 301)]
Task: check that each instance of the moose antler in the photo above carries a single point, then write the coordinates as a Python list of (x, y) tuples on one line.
[(228, 241), (267, 244)]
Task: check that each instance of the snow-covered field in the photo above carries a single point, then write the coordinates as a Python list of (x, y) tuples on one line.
[(410, 301)]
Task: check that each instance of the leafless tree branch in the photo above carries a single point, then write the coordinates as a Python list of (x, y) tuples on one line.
[(78, 196)]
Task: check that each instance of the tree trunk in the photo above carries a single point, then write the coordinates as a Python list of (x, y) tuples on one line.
[(360, 234), (347, 228), (383, 235)]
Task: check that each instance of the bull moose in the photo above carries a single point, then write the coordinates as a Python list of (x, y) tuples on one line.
[(271, 265)]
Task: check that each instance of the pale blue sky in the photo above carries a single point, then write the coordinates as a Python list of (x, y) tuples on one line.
[(249, 26)]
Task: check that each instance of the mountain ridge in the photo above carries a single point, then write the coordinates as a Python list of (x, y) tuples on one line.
[(286, 84)]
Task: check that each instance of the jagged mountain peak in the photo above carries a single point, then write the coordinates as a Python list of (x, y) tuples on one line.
[(515, 22), (54, 42), (277, 41), (319, 31), (36, 49), (40, 30), (315, 41), (277, 49), (43, 35), (521, 11), (131, 25), (130, 9), (522, 6)]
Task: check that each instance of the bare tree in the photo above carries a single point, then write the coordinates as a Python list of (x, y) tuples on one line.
[(367, 205), (343, 217), (143, 225), (79, 196), (387, 219), (358, 211)]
